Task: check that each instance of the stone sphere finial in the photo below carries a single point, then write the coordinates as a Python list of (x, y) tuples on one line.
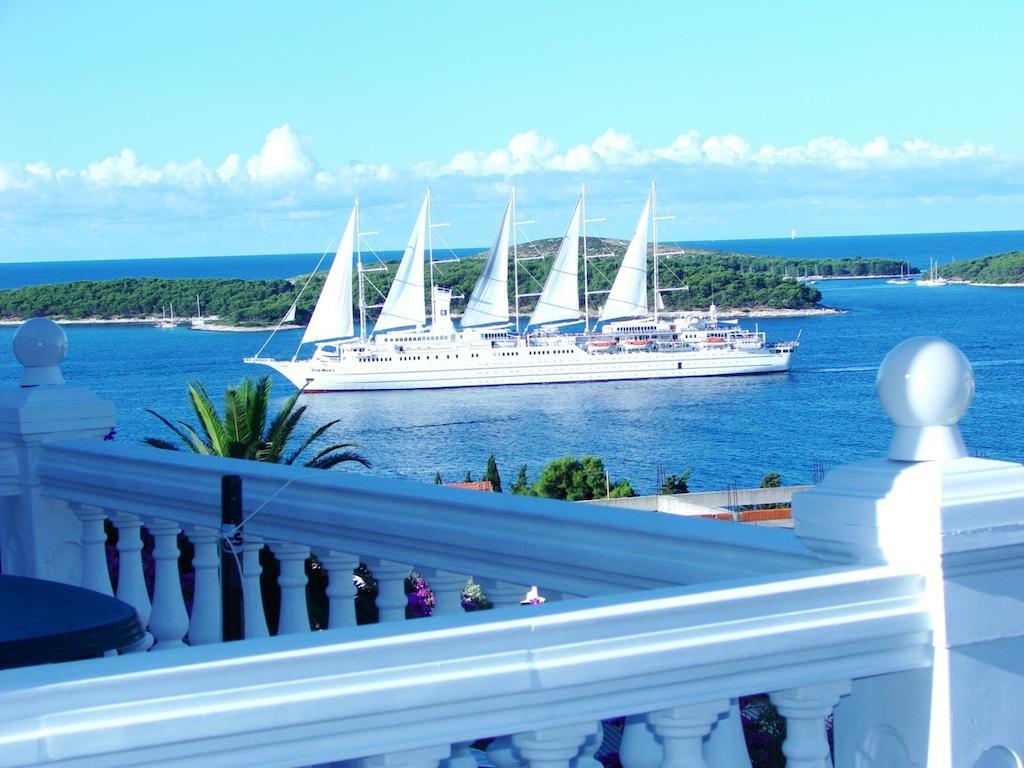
[(926, 385), (40, 345)]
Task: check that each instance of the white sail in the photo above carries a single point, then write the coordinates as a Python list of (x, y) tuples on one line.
[(488, 303), (628, 296), (332, 315), (560, 299), (405, 304)]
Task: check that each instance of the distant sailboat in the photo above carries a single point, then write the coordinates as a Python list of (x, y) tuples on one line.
[(792, 234), (933, 281), (903, 279), (167, 322)]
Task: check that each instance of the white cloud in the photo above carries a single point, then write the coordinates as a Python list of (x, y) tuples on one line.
[(230, 168), (122, 170), (531, 151), (282, 157)]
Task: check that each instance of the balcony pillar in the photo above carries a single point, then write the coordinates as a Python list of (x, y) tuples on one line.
[(391, 597), (502, 594), (206, 623), (422, 757), (447, 588), (503, 754), (682, 731), (39, 537), (131, 579), (169, 620), (341, 589), (553, 747), (640, 747), (931, 509), (294, 609), (254, 617), (95, 574), (587, 756), (805, 709)]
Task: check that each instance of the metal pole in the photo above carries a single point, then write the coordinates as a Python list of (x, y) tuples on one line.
[(230, 556)]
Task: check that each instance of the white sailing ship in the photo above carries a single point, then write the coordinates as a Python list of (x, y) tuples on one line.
[(404, 351), (933, 280), (166, 322)]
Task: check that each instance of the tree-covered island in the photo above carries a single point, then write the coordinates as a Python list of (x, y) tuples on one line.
[(1000, 269), (732, 281)]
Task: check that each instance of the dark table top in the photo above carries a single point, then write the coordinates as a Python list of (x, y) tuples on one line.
[(47, 621)]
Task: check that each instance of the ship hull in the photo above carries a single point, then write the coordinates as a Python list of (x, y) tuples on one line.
[(438, 369)]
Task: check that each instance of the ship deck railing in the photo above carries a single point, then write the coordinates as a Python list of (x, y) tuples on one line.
[(885, 628)]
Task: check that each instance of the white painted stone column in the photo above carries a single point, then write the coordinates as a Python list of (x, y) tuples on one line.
[(805, 709), (959, 522), (391, 597), (552, 747), (169, 620), (206, 622), (40, 537), (95, 575), (682, 731), (423, 757), (447, 588), (255, 618), (341, 590), (294, 610), (131, 579), (503, 594)]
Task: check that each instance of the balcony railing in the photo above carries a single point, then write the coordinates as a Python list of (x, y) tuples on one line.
[(897, 598)]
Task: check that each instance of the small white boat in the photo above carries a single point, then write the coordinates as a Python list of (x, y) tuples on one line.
[(933, 280), (167, 322), (903, 279)]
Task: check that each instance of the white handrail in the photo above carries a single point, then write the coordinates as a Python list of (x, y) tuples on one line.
[(339, 695)]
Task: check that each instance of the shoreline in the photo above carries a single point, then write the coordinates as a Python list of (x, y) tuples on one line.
[(152, 321), (725, 313)]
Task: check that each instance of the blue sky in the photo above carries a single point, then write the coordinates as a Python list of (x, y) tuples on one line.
[(134, 129)]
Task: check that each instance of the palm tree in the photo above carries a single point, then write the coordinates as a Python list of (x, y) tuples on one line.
[(243, 432)]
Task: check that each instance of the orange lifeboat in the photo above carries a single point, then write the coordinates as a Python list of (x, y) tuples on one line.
[(601, 345)]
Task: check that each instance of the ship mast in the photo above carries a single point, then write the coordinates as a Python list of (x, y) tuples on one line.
[(515, 256), (359, 277), (654, 244), (586, 278)]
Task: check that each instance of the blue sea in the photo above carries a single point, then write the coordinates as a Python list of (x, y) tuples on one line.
[(730, 431)]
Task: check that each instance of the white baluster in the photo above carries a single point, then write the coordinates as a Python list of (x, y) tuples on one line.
[(682, 731), (131, 579), (640, 747), (252, 592), (169, 619), (422, 757), (447, 588), (206, 623), (805, 709), (503, 754), (341, 589), (95, 574), (294, 610), (726, 747), (586, 758), (502, 594), (552, 747), (391, 597), (461, 757)]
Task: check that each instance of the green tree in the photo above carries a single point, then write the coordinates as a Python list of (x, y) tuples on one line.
[(522, 485), (771, 480), (677, 483), (492, 474), (578, 479), (243, 431)]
